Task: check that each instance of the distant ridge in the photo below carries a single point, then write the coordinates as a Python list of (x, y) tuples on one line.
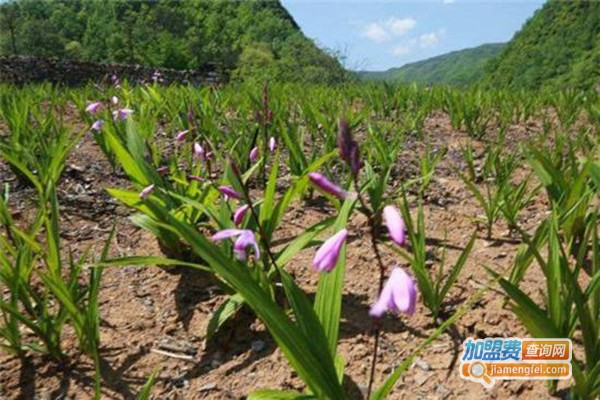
[(458, 68), (559, 47)]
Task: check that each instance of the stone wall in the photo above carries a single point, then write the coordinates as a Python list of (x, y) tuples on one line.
[(22, 70)]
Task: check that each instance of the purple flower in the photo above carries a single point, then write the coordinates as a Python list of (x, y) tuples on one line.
[(97, 126), (347, 146), (272, 144), (398, 295), (180, 136), (199, 152), (395, 224), (254, 154), (326, 185), (194, 178), (162, 171), (94, 107), (122, 113), (229, 192), (240, 213), (327, 256), (146, 192), (245, 238)]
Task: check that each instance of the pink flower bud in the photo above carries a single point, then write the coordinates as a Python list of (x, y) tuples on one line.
[(194, 178), (199, 152), (180, 136), (245, 238), (395, 224), (348, 147), (229, 192), (254, 154), (162, 171), (94, 107), (146, 192), (122, 113), (114, 100), (398, 295), (326, 185), (272, 144), (240, 213), (97, 126), (328, 254)]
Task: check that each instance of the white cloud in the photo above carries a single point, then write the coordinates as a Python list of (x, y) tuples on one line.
[(385, 30), (376, 32), (448, 1), (424, 41), (429, 39), (399, 26), (402, 50)]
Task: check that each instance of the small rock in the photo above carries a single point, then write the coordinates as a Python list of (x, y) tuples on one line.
[(422, 364), (442, 390), (208, 387), (421, 378), (258, 346)]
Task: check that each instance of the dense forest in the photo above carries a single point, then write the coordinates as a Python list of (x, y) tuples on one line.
[(250, 39), (558, 47), (458, 68)]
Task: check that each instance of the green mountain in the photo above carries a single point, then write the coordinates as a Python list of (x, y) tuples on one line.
[(458, 68), (251, 39), (558, 47)]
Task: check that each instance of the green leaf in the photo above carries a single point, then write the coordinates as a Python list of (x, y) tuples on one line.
[(267, 394), (223, 313), (150, 261), (328, 300), (301, 241), (457, 268), (146, 391), (385, 389), (129, 164), (320, 376), (269, 196)]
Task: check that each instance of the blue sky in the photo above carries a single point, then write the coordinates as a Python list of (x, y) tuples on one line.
[(377, 35)]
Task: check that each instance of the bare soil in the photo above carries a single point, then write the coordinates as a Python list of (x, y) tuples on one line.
[(149, 309)]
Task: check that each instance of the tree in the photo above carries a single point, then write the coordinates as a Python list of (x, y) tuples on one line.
[(9, 21)]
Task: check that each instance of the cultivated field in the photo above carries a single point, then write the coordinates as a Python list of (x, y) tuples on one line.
[(180, 242)]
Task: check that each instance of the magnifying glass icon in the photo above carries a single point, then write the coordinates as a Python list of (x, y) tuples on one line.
[(478, 370)]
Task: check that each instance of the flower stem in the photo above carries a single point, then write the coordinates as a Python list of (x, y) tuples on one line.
[(370, 214)]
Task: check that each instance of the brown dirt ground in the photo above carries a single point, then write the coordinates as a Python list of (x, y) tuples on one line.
[(142, 308)]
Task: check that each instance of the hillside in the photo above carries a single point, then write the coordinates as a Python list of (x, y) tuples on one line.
[(251, 39), (458, 68), (558, 47)]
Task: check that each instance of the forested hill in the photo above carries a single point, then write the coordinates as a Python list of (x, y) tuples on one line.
[(558, 47), (251, 39), (458, 68)]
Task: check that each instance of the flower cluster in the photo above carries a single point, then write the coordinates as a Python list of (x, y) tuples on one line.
[(400, 292)]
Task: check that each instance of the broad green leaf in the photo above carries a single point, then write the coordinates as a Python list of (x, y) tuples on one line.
[(268, 394), (223, 313), (328, 300), (301, 241), (320, 377), (385, 389)]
